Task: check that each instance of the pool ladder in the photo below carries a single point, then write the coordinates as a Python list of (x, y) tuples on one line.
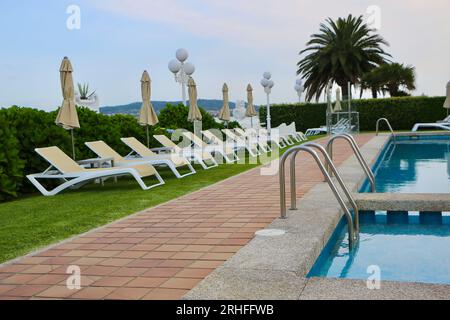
[(389, 126), (352, 223), (357, 151)]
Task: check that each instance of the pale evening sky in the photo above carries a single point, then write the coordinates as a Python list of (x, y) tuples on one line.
[(229, 41)]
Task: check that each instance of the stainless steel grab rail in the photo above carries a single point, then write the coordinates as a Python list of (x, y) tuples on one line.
[(349, 138), (331, 166), (389, 126), (307, 148)]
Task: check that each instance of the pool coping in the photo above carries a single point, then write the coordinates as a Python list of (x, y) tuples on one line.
[(423, 202), (276, 267)]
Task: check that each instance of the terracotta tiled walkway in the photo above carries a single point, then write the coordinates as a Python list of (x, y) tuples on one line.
[(165, 251)]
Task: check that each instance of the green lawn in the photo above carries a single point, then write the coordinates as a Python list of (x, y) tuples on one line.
[(36, 221)]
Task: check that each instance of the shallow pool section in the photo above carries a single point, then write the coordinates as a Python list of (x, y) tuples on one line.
[(414, 164), (406, 247)]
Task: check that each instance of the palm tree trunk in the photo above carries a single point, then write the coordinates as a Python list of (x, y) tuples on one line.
[(345, 92), (393, 90), (374, 93), (343, 83)]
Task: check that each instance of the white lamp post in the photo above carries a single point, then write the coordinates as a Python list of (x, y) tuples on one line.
[(182, 70), (299, 89), (268, 84)]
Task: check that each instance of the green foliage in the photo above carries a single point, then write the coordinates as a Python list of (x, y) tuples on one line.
[(35, 129), (232, 125), (305, 115), (343, 52), (175, 117), (24, 129), (83, 90), (402, 112), (392, 78), (11, 165), (373, 81)]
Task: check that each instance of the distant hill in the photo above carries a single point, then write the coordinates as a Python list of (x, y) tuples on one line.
[(133, 108)]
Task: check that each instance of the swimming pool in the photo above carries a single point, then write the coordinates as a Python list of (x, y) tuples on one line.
[(406, 246), (414, 164)]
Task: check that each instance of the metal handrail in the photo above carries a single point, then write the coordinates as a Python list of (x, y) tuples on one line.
[(296, 150), (349, 138), (389, 126), (331, 166)]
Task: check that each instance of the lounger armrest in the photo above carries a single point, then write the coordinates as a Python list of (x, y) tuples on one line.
[(51, 174)]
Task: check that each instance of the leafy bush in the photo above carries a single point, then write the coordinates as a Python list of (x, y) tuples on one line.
[(34, 129), (11, 165), (24, 129), (402, 112), (175, 117), (232, 125)]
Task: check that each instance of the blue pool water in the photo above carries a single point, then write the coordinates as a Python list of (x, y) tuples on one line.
[(408, 247), (412, 250), (414, 165)]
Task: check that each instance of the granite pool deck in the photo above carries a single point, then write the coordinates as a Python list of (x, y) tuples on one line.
[(165, 251)]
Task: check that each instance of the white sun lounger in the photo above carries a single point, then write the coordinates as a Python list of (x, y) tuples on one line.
[(262, 140), (341, 126), (194, 154), (217, 139), (446, 120), (104, 151), (252, 136), (441, 124), (225, 151), (286, 134), (274, 137), (251, 146), (297, 135), (62, 167), (171, 160)]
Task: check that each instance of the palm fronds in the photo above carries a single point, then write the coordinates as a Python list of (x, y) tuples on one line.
[(343, 51)]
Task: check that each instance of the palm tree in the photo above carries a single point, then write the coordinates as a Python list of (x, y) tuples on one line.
[(396, 77), (392, 78), (373, 81), (343, 52)]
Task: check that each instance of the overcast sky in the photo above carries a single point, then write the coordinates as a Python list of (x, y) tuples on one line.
[(231, 41)]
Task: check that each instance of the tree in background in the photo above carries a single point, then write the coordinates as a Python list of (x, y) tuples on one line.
[(175, 117), (342, 52), (394, 78), (373, 81)]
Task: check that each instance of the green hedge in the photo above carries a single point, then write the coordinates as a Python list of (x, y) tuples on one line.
[(402, 112), (24, 129), (11, 166)]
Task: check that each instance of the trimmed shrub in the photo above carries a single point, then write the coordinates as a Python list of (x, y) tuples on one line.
[(402, 112), (35, 129), (11, 166)]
